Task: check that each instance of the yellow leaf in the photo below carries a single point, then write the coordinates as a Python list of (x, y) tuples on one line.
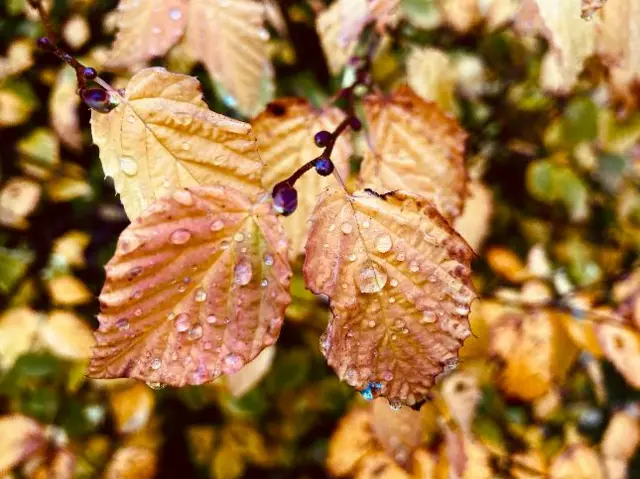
[(506, 263), (132, 462), (163, 137), (76, 31), (67, 335), (251, 374), (18, 331), (398, 278), (432, 76), (70, 248), (415, 147), (461, 394), (399, 433), (231, 41), (589, 7), (147, 28), (462, 15), (621, 346), (63, 108), (67, 290), (227, 463), (18, 198), (622, 436), (70, 184), (19, 58), (474, 224), (20, 438), (132, 407), (350, 442), (197, 287), (285, 132), (576, 462), (379, 465)]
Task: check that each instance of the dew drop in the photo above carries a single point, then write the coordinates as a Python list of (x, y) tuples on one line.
[(450, 364), (217, 225), (183, 322), (182, 288), (264, 283), (242, 272), (395, 404), (365, 224), (195, 333), (156, 364), (212, 319), (462, 309), (171, 316), (138, 312), (180, 236), (239, 237), (156, 386), (387, 376), (414, 267), (201, 295), (184, 197), (393, 282), (371, 278), (332, 227), (128, 165), (232, 363), (372, 323), (352, 257), (175, 14), (400, 257), (384, 243), (263, 34), (122, 324), (268, 260), (392, 300), (428, 317), (346, 228)]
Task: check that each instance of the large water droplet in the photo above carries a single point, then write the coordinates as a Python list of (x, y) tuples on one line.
[(217, 225), (232, 363), (183, 322), (180, 236), (384, 243), (371, 278), (184, 197), (156, 364), (195, 333), (243, 272), (128, 165), (268, 260), (346, 228), (212, 319), (201, 295)]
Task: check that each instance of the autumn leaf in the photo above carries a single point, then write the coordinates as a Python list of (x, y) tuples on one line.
[(340, 26), (400, 433), (398, 279), (163, 137), (67, 335), (621, 346), (20, 437), (589, 7), (414, 146), (433, 76), (63, 109), (132, 407), (146, 29), (285, 131), (619, 37), (251, 374), (132, 462), (351, 442), (576, 462), (197, 288), (229, 38), (18, 332), (474, 224)]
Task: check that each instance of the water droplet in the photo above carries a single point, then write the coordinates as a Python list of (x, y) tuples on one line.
[(184, 197), (122, 324), (332, 227), (212, 319), (346, 228), (395, 404), (387, 375), (384, 243), (195, 333), (268, 260), (180, 236), (232, 363), (138, 312), (263, 34), (399, 323), (183, 322), (264, 283), (156, 364), (392, 300), (128, 165), (156, 30), (365, 224), (371, 278), (175, 14), (201, 295), (351, 376), (217, 225), (224, 245), (182, 288), (450, 364), (414, 267), (428, 316), (372, 323), (239, 237), (393, 282), (432, 278), (171, 316), (462, 309), (400, 257), (352, 257), (156, 386), (242, 272)]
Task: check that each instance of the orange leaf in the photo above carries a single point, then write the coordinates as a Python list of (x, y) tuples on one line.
[(285, 132), (20, 437), (621, 346), (147, 29), (398, 278), (576, 462), (400, 433), (415, 147), (197, 287)]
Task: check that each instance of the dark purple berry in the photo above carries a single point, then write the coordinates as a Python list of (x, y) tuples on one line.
[(322, 139), (98, 99), (324, 166), (89, 73), (285, 199), (44, 43), (355, 123)]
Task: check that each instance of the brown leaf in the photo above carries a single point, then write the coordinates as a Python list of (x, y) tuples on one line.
[(378, 465), (197, 287), (231, 41), (20, 437), (163, 137), (398, 278), (414, 146), (350, 442), (398, 432), (576, 462), (285, 131), (147, 29), (621, 346)]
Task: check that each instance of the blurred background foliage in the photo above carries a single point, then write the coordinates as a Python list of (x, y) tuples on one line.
[(557, 209)]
